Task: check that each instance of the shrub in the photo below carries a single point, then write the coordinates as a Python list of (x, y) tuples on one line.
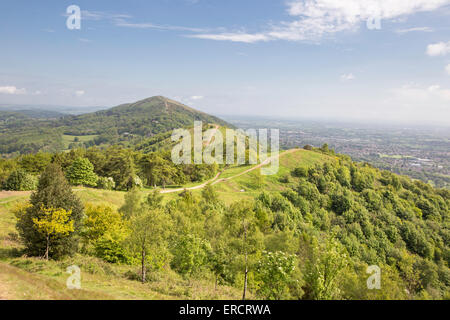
[(81, 172), (106, 183), (300, 172), (275, 271), (19, 180), (110, 251)]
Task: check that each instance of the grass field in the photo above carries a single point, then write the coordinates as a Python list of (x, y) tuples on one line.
[(32, 278), (68, 139)]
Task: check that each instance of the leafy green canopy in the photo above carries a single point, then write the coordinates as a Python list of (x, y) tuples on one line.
[(53, 192)]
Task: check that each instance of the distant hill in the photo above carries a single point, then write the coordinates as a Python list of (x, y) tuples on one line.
[(33, 113), (128, 124), (65, 110), (144, 118)]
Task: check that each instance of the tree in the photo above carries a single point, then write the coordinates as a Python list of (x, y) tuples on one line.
[(121, 168), (147, 241), (101, 220), (53, 222), (242, 227), (190, 254), (133, 203), (165, 172), (154, 199), (19, 180), (53, 192), (323, 270), (35, 163), (209, 194), (341, 203), (81, 172), (106, 183), (148, 165), (300, 172), (275, 271)]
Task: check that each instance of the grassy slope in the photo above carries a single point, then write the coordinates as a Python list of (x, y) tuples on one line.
[(230, 190), (30, 278)]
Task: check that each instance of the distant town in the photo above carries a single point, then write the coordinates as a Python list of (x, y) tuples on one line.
[(419, 152)]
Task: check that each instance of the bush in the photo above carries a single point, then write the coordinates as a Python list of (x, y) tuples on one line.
[(300, 172), (81, 172), (340, 203), (275, 272), (19, 180), (110, 251), (106, 183)]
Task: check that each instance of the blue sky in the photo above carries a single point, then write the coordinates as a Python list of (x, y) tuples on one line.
[(295, 59)]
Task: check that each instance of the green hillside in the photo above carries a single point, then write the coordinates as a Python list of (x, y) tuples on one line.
[(128, 124), (328, 216)]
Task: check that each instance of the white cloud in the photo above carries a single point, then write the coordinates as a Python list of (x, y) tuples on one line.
[(99, 15), (12, 90), (415, 29), (347, 77), (419, 94), (123, 23), (315, 19), (234, 37), (438, 49), (197, 97), (447, 68), (79, 93)]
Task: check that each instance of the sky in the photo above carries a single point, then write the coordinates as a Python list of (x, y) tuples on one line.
[(356, 60)]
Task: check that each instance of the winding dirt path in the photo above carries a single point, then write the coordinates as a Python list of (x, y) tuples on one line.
[(216, 179), (213, 133), (6, 194)]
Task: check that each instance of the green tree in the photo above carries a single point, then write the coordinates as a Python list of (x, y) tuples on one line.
[(275, 271), (148, 239), (323, 270), (53, 192), (241, 225), (154, 199), (19, 180), (81, 173), (35, 163), (121, 168), (106, 183), (133, 203), (190, 254), (100, 221), (209, 194), (53, 222)]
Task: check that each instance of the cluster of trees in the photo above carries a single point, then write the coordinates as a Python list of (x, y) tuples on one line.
[(314, 240), (196, 237), (111, 168)]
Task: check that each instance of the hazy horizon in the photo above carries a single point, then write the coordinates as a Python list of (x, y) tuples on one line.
[(370, 60)]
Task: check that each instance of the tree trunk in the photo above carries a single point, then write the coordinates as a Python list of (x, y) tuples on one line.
[(144, 271), (215, 284), (246, 266), (47, 248)]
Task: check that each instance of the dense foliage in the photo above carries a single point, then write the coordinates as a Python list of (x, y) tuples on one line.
[(111, 168), (313, 240)]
